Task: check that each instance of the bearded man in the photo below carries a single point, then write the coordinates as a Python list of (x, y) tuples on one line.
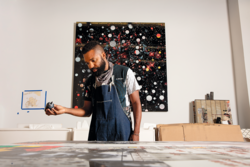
[(107, 97)]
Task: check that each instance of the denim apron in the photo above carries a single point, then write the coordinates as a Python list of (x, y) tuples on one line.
[(109, 122)]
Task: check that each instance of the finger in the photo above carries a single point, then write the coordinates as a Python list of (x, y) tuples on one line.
[(47, 113), (50, 112), (55, 112)]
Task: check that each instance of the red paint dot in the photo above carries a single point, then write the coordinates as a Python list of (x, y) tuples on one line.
[(76, 107), (158, 35), (151, 54), (78, 94)]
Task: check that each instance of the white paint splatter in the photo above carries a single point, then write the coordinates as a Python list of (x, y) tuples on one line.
[(78, 59), (161, 97), (162, 106), (112, 27), (113, 43), (79, 24), (149, 98)]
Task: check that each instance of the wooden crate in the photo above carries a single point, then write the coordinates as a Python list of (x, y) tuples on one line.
[(207, 111)]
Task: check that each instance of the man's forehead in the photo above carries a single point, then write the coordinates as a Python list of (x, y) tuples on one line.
[(90, 55)]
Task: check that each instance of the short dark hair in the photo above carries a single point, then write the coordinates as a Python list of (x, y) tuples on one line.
[(89, 46)]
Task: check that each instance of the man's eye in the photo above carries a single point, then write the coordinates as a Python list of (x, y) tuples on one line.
[(93, 60)]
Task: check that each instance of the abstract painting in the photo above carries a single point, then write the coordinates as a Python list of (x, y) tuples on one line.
[(139, 46)]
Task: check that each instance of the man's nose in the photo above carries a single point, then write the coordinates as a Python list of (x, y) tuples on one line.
[(90, 65)]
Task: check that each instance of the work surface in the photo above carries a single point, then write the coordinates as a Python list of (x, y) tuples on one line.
[(120, 154)]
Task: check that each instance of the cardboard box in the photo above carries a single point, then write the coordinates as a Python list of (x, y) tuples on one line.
[(198, 132)]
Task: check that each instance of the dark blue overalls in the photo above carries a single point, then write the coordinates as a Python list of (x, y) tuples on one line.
[(109, 122)]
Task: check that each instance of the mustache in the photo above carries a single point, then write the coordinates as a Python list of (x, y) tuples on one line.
[(94, 69)]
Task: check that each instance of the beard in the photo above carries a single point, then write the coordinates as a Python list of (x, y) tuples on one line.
[(100, 70)]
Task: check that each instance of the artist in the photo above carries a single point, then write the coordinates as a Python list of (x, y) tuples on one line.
[(107, 96)]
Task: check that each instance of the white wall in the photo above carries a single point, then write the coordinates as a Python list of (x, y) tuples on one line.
[(37, 46), (241, 88), (244, 11)]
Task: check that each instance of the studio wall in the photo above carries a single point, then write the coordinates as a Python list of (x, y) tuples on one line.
[(244, 14), (37, 52), (239, 63)]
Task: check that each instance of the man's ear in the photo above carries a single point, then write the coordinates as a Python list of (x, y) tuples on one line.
[(104, 55)]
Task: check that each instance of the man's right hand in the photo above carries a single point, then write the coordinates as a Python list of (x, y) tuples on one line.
[(57, 110), (85, 111)]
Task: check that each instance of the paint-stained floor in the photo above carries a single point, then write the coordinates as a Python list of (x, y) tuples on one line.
[(125, 154)]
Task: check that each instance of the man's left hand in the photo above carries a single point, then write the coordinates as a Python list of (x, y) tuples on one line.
[(134, 137)]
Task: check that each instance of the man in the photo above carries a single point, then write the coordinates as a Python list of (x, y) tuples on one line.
[(106, 97)]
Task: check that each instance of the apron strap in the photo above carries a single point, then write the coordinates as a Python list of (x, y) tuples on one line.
[(111, 83)]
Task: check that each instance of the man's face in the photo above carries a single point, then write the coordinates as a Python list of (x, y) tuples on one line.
[(95, 62)]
